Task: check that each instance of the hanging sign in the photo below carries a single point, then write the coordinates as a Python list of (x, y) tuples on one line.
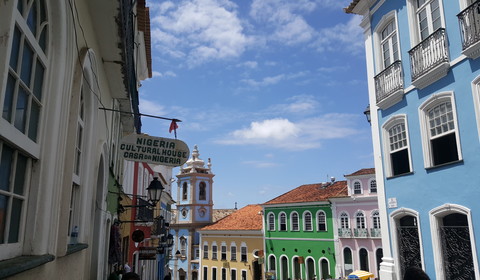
[(154, 150)]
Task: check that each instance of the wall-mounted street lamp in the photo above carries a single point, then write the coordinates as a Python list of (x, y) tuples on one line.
[(154, 190), (367, 114)]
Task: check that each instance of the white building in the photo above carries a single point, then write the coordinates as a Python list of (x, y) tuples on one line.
[(61, 64)]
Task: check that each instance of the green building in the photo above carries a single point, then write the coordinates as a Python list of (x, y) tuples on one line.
[(299, 232)]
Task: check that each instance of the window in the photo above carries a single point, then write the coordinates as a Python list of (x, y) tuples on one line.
[(363, 255), (360, 218), (205, 273), (214, 251), (296, 268), (294, 221), (376, 219), (244, 275), (27, 67), (373, 186), (357, 188), (347, 260), (184, 191), (321, 221), (202, 193), (214, 273), (407, 239), (282, 221), (307, 226), (233, 274), (428, 17), (271, 221), (271, 263), (14, 168), (389, 44), (396, 146), (205, 251), (224, 252), (344, 220), (243, 253), (439, 130), (183, 246), (233, 252), (224, 274)]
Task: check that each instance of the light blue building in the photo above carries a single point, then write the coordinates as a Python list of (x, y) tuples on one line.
[(424, 94), (194, 210)]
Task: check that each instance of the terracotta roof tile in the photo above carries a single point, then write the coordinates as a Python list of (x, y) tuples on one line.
[(246, 218), (364, 171), (312, 193)]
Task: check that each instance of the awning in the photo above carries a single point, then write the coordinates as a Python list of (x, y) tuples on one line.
[(360, 274)]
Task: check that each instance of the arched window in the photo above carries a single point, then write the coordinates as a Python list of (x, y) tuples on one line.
[(214, 251), (363, 256), (283, 268), (357, 188), (202, 192), (397, 146), (205, 250), (243, 252), (183, 246), (294, 221), (184, 191), (233, 251), (408, 241), (344, 220), (324, 269), (373, 186), (271, 221), (378, 258), (223, 249), (271, 263), (347, 260), (321, 221), (282, 221), (376, 219), (360, 219), (310, 268), (296, 268), (307, 221)]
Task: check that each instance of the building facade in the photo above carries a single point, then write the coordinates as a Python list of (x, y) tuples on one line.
[(299, 232), (232, 248), (60, 61), (357, 223), (424, 77)]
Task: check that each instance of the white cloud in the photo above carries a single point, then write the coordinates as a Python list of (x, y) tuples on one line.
[(164, 74), (151, 108), (249, 64), (260, 164), (303, 104), (202, 30), (267, 81), (285, 134), (347, 36)]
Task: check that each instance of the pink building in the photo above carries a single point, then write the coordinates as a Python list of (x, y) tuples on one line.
[(356, 217)]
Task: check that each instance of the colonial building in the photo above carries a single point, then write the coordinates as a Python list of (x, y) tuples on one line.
[(357, 220), (232, 248), (64, 66), (299, 232), (194, 210), (424, 94)]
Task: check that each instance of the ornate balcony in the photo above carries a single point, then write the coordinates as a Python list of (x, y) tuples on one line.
[(429, 60), (389, 85), (469, 20), (344, 232), (361, 232), (375, 232)]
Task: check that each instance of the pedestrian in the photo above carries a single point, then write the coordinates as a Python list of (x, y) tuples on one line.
[(127, 268), (130, 276), (415, 273)]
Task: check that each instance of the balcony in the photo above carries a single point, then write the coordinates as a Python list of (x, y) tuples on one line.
[(144, 213), (344, 232), (375, 232), (389, 85), (361, 232), (429, 60), (469, 20)]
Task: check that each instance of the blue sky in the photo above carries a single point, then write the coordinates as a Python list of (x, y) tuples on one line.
[(273, 91)]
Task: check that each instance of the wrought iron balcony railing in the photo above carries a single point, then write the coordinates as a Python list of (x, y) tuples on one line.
[(430, 53), (375, 232), (345, 232), (389, 81), (469, 20), (361, 232)]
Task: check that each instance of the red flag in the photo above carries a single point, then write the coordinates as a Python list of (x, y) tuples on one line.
[(173, 126)]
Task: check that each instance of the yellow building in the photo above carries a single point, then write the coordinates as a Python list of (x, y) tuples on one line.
[(232, 248)]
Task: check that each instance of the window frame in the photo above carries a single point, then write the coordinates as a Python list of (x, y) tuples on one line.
[(202, 191), (386, 127), (294, 225), (376, 221), (318, 220), (377, 39), (370, 183), (357, 183), (344, 216), (307, 226), (432, 102), (360, 214), (282, 224), (243, 255), (223, 251), (271, 221), (205, 251), (233, 251), (414, 24), (214, 251)]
